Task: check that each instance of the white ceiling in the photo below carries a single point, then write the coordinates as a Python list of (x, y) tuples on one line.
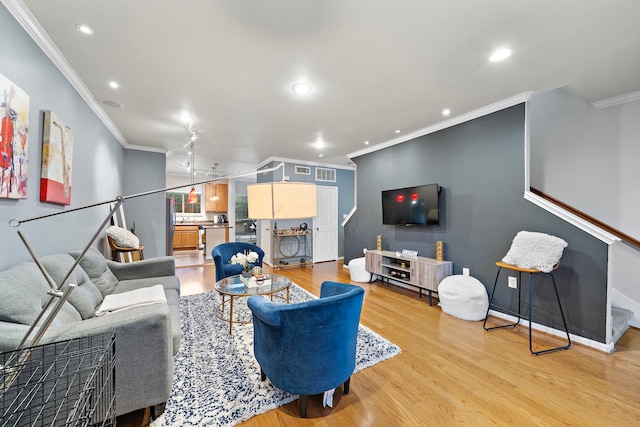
[(376, 66)]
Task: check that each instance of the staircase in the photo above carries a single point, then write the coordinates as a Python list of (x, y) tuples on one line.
[(620, 319)]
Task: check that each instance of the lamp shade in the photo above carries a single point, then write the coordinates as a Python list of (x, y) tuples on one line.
[(282, 200)]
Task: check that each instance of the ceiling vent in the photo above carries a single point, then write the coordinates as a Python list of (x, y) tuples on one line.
[(325, 175), (303, 170)]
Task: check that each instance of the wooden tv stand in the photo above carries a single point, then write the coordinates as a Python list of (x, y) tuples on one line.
[(420, 272)]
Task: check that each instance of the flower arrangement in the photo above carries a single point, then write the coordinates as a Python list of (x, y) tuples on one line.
[(245, 259)]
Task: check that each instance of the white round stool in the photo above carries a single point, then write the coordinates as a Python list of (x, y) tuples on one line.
[(463, 297), (357, 270)]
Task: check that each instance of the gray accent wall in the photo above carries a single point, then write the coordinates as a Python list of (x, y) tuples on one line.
[(480, 166), (98, 157)]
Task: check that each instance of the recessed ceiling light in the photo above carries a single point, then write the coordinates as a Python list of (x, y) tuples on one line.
[(113, 84), (500, 55), (84, 29), (397, 130), (112, 104), (185, 117), (301, 88), (446, 112), (366, 143), (320, 155)]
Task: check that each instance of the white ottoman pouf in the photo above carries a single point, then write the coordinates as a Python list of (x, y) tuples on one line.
[(357, 270), (464, 297)]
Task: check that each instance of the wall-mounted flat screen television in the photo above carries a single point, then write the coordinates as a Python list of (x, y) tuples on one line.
[(411, 206)]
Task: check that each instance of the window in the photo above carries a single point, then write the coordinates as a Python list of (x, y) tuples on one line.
[(242, 207), (181, 205)]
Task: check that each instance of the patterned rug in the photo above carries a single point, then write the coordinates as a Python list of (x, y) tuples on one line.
[(217, 379)]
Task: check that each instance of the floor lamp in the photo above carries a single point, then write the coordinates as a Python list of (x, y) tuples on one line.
[(57, 296)]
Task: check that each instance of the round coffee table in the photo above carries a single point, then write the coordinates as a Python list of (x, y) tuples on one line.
[(235, 287)]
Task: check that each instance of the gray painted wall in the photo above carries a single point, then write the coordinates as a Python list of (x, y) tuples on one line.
[(592, 166), (480, 165), (144, 171), (98, 158)]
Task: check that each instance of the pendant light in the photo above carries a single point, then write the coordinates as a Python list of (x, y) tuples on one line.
[(193, 196), (215, 196)]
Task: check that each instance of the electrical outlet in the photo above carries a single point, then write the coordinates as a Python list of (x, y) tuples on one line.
[(465, 271), (513, 282)]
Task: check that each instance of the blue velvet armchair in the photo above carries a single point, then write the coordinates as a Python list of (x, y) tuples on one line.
[(308, 348), (222, 256)]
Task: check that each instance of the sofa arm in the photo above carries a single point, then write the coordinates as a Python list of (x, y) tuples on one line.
[(144, 352), (153, 267)]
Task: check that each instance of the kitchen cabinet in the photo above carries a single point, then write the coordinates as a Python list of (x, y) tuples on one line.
[(222, 191), (186, 237)]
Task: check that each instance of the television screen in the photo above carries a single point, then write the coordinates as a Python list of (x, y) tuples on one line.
[(411, 206)]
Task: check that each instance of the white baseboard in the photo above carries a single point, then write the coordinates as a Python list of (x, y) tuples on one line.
[(607, 348)]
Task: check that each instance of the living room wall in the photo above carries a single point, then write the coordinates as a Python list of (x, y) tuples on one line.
[(98, 157), (480, 166)]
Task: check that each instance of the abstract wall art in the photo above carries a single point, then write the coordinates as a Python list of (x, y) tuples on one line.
[(57, 154), (14, 146)]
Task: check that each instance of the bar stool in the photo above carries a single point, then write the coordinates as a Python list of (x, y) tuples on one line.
[(531, 253)]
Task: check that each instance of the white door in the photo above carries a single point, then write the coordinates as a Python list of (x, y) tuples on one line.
[(325, 232)]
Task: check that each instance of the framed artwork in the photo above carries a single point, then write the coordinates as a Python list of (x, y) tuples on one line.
[(14, 140), (57, 154)]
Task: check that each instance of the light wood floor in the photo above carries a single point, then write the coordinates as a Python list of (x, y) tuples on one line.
[(453, 373)]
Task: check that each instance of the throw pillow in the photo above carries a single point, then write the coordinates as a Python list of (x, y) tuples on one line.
[(535, 250), (123, 238), (86, 296), (96, 267)]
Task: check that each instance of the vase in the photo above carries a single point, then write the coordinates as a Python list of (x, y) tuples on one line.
[(247, 273)]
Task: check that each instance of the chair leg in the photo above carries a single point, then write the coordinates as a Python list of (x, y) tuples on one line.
[(302, 401), (493, 293), (346, 385), (564, 322), (263, 376)]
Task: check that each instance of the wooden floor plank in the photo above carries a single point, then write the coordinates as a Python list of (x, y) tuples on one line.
[(452, 372)]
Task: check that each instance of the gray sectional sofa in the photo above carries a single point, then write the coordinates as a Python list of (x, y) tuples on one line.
[(147, 337)]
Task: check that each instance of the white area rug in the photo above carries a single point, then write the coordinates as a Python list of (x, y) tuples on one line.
[(217, 379)]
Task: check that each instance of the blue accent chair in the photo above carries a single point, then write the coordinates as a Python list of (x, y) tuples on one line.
[(222, 256), (308, 348)]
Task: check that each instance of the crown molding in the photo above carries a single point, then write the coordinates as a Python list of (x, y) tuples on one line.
[(483, 111), (302, 162), (30, 24), (617, 100)]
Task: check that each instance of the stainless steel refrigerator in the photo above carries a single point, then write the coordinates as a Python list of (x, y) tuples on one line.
[(170, 224)]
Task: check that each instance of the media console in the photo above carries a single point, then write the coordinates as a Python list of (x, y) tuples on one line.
[(420, 272)]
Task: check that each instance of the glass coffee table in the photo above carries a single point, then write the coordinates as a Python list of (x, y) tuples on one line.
[(234, 287)]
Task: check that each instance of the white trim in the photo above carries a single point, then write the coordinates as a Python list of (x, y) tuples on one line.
[(31, 25), (300, 162), (607, 348), (480, 112), (349, 215), (146, 148), (571, 218), (617, 100)]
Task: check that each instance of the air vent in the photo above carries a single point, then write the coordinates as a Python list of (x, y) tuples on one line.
[(325, 175), (303, 170)]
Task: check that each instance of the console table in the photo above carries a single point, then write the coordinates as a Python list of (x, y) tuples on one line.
[(292, 248), (420, 272)]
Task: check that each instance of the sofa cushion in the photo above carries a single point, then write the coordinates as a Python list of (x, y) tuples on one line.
[(24, 294), (95, 265), (86, 297)]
